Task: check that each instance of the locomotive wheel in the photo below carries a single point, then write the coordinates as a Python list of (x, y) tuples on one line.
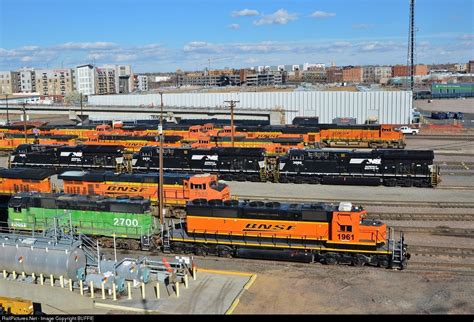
[(134, 244), (298, 180), (224, 251), (330, 260), (283, 179), (383, 263), (200, 250), (358, 261), (178, 248), (406, 183)]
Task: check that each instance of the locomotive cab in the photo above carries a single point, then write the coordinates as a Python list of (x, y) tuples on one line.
[(206, 186), (349, 226)]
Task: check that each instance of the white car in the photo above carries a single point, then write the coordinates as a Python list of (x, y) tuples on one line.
[(408, 130)]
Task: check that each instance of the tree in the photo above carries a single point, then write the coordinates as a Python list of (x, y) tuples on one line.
[(73, 98)]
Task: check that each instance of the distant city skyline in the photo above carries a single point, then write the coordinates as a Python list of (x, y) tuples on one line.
[(162, 36)]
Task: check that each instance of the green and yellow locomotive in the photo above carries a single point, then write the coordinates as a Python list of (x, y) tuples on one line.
[(129, 220)]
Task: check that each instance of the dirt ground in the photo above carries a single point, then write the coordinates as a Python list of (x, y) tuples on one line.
[(296, 288)]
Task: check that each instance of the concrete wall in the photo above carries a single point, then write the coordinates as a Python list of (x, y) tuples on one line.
[(389, 107)]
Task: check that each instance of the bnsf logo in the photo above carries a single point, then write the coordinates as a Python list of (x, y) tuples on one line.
[(125, 189), (267, 227)]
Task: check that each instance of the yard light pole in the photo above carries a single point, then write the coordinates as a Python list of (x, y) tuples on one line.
[(232, 105), (82, 116), (160, 180), (24, 121), (8, 116)]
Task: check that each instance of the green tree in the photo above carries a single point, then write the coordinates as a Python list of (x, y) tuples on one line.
[(73, 98)]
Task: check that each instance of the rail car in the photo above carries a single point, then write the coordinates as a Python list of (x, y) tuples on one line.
[(332, 135), (376, 167), (129, 220), (230, 163), (326, 166), (274, 146), (177, 188), (18, 306), (25, 180), (388, 167), (62, 157), (9, 141), (316, 232), (326, 135)]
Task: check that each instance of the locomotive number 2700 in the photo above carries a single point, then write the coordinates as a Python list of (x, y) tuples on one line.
[(126, 222), (345, 236)]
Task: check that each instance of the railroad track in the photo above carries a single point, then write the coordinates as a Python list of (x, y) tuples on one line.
[(389, 203), (440, 251), (456, 268), (455, 165), (440, 137), (420, 216), (443, 231)]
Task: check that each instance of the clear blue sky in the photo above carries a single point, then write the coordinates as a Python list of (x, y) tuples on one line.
[(166, 35)]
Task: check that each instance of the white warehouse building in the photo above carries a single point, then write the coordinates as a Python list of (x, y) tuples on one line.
[(387, 107)]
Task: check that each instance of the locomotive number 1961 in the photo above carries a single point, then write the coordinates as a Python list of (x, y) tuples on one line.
[(345, 236), (126, 222)]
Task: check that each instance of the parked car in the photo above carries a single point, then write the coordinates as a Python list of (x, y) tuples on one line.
[(408, 130)]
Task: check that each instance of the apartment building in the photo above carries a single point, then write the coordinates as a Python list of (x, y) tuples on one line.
[(105, 81), (352, 74), (26, 80), (54, 82), (8, 83), (140, 83), (403, 70), (85, 79), (376, 74), (334, 74)]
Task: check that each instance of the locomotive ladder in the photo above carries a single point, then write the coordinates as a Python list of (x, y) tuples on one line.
[(397, 250), (435, 175), (165, 233)]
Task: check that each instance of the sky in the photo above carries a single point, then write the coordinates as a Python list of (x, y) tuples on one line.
[(162, 36)]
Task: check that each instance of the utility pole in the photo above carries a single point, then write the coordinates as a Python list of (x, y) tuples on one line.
[(82, 118), (232, 105), (8, 117), (24, 121), (411, 44), (160, 179)]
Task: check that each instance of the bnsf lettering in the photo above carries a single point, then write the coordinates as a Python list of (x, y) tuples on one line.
[(263, 227), (125, 189)]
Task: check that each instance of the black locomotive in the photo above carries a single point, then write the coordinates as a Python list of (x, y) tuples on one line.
[(67, 157), (374, 167)]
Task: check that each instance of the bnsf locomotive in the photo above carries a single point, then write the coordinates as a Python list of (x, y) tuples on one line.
[(297, 232), (376, 167), (178, 188)]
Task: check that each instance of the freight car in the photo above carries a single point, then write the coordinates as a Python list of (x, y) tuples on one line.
[(178, 188), (316, 232), (129, 220), (62, 157), (298, 232)]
